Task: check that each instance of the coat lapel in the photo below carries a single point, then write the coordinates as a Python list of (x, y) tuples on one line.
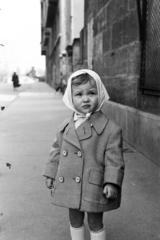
[(99, 121), (84, 130), (70, 134)]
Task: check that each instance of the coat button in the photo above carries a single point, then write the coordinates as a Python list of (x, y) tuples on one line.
[(61, 179), (65, 152), (78, 179), (79, 154)]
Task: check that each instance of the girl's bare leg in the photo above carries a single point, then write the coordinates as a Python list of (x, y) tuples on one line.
[(95, 222), (76, 218), (77, 229)]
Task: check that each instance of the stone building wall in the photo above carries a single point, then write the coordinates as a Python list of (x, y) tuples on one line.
[(116, 47), (117, 59)]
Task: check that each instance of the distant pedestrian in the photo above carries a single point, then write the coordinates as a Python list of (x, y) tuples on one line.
[(61, 86), (15, 80), (64, 83), (85, 168)]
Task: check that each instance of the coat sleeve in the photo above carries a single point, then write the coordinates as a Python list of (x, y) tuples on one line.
[(51, 165), (114, 162)]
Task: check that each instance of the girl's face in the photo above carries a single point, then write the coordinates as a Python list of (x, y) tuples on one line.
[(85, 97)]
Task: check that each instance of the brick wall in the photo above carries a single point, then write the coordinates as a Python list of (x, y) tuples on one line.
[(116, 47)]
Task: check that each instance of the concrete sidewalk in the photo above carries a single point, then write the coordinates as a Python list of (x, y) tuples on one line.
[(27, 129)]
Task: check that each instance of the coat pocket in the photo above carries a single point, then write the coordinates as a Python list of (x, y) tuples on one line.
[(94, 188)]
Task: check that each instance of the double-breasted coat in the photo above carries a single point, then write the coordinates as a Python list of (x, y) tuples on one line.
[(82, 161)]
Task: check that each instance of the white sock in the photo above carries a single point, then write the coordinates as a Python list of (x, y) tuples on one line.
[(100, 235), (77, 233)]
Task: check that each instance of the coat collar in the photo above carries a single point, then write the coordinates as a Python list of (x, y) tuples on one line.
[(69, 132), (84, 130), (99, 121), (64, 124)]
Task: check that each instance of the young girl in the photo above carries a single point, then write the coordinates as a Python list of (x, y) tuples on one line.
[(85, 169)]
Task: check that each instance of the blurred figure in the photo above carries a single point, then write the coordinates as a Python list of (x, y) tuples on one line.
[(61, 86), (15, 80), (64, 84)]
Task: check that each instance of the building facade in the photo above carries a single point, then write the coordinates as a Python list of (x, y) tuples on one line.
[(61, 22), (120, 40)]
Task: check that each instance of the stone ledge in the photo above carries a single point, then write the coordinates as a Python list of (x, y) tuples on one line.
[(140, 129)]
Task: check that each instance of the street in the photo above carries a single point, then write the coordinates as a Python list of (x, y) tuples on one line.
[(27, 128)]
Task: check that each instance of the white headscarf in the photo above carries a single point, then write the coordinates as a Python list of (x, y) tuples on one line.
[(102, 92)]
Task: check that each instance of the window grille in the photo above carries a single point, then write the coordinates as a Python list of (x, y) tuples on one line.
[(150, 36)]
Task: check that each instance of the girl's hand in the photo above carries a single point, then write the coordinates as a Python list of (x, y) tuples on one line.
[(111, 191), (49, 183)]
